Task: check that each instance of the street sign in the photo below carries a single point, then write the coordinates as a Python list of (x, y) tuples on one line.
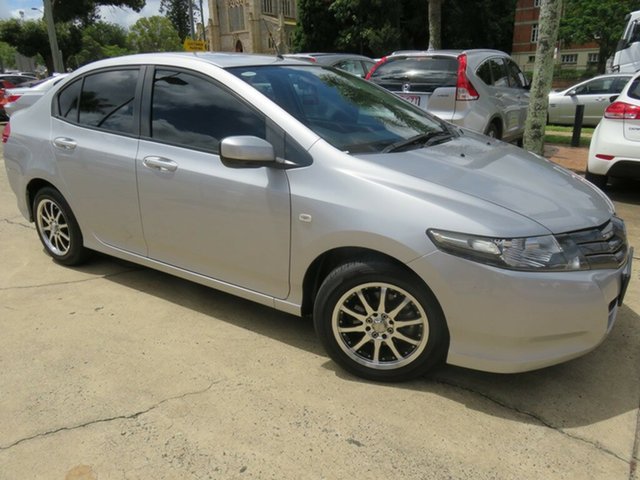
[(195, 45)]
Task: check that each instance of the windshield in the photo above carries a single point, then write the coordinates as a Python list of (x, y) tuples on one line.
[(348, 112)]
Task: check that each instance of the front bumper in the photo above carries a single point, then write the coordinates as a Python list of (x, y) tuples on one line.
[(508, 321)]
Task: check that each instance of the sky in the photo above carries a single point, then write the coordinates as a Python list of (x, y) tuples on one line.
[(122, 16)]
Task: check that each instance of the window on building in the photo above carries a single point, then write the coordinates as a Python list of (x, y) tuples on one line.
[(268, 7), (287, 8), (593, 58), (236, 15), (534, 33), (569, 58), (536, 3), (532, 59)]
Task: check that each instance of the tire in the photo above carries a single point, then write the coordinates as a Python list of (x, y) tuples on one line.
[(493, 131), (398, 339), (57, 228), (599, 181)]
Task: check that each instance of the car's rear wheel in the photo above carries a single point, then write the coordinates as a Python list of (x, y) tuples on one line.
[(493, 131), (57, 227), (599, 181), (380, 322)]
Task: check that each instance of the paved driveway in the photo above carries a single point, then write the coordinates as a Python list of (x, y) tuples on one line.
[(114, 371)]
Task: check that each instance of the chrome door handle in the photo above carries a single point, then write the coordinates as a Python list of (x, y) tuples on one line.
[(65, 143), (159, 163)]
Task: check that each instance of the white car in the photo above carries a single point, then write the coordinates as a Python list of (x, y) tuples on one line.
[(615, 145), (25, 96)]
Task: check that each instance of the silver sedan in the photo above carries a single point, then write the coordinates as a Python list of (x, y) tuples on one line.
[(410, 241), (595, 94)]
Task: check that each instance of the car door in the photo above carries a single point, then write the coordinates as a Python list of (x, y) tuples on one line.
[(505, 98), (230, 224), (94, 134), (518, 85)]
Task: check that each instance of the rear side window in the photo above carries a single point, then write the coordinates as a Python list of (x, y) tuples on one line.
[(103, 100), (68, 101), (106, 100), (191, 111), (634, 89)]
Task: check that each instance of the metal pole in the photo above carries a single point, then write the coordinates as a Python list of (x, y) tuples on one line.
[(58, 66), (204, 27), (577, 126)]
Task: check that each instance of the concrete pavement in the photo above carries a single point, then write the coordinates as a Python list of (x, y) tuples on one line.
[(113, 371)]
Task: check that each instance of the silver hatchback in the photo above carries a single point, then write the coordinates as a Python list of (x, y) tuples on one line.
[(410, 241), (483, 90)]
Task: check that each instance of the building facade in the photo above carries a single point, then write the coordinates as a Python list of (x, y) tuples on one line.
[(525, 38), (252, 26)]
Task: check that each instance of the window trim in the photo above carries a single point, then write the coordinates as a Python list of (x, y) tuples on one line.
[(55, 112)]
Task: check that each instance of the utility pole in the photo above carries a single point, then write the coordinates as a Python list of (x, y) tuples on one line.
[(192, 27), (58, 65)]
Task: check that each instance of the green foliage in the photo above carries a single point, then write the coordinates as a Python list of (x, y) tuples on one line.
[(101, 40), (177, 11), (85, 11), (30, 38), (154, 34), (600, 21), (7, 55), (377, 27)]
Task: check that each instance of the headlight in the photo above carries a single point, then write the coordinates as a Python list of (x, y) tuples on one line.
[(543, 253)]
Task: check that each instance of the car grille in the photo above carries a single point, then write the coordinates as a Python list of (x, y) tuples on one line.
[(603, 247)]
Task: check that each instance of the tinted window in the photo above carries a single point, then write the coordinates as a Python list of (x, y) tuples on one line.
[(516, 78), (68, 101), (634, 89), (499, 73), (440, 71), (189, 110), (106, 101), (484, 72)]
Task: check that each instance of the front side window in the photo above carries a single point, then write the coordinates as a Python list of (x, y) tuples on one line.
[(348, 112), (191, 111)]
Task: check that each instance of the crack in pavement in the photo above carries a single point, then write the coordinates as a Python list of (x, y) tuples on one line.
[(633, 465), (540, 420), (20, 224), (105, 420), (70, 282)]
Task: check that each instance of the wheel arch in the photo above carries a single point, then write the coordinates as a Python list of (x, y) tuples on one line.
[(498, 122), (33, 187)]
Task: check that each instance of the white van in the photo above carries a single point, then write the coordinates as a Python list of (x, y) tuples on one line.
[(627, 56)]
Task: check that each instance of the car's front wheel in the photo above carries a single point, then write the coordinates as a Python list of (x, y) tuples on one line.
[(57, 227), (379, 321)]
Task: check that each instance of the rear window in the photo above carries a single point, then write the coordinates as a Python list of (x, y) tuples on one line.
[(634, 89), (426, 69)]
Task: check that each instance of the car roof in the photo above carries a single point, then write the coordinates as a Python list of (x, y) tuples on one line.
[(219, 59), (450, 52)]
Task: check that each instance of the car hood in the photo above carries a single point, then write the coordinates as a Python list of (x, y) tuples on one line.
[(506, 176)]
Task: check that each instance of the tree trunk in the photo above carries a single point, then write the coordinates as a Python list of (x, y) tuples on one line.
[(548, 26), (435, 16)]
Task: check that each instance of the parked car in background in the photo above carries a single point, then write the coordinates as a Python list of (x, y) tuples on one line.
[(615, 144), (302, 187), (358, 65), (595, 94), (482, 90), (10, 80), (26, 95)]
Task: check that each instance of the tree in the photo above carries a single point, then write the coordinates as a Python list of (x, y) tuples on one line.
[(85, 11), (600, 21), (177, 11), (548, 27), (7, 56), (154, 34), (435, 23), (101, 40), (30, 38), (367, 26), (316, 28)]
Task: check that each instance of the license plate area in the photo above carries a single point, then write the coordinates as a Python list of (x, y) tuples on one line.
[(416, 99)]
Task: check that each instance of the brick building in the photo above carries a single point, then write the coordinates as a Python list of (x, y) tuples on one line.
[(525, 37), (254, 26)]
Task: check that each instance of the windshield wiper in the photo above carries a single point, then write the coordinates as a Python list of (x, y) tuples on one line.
[(421, 140)]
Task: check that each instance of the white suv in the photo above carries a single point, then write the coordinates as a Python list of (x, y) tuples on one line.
[(483, 90), (615, 145)]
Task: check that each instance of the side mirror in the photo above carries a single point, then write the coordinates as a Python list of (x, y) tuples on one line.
[(245, 151), (572, 93)]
